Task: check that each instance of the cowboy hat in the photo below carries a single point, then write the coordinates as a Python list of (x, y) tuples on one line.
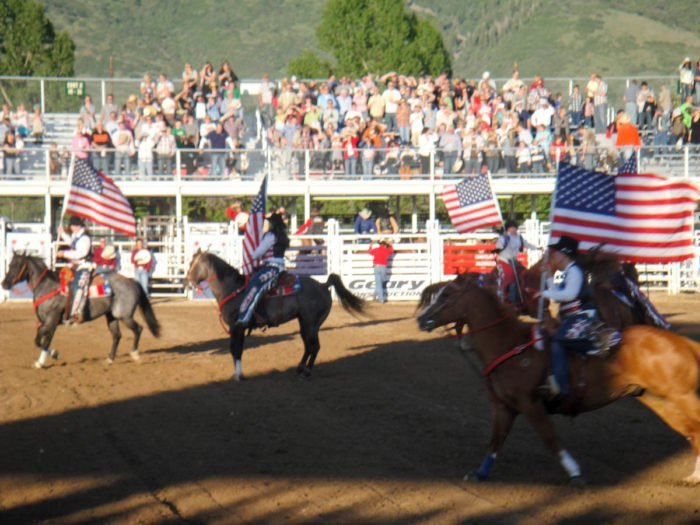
[(109, 252), (75, 221), (142, 256), (566, 245)]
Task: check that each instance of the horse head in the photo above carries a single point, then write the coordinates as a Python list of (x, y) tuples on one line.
[(450, 303), (197, 272), (17, 271)]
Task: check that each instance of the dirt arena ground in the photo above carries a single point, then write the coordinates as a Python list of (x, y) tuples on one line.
[(383, 433)]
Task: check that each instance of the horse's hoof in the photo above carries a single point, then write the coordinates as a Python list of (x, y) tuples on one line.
[(692, 480), (37, 365), (135, 355), (54, 353), (578, 482), (109, 361), (473, 477), (238, 379)]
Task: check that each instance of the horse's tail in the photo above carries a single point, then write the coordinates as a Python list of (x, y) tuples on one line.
[(350, 302), (427, 294), (147, 310)]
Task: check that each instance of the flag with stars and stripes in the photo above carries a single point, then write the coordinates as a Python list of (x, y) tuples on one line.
[(630, 165), (254, 228), (94, 196), (641, 217), (471, 204)]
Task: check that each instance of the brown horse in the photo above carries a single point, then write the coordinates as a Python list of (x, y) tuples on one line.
[(659, 367)]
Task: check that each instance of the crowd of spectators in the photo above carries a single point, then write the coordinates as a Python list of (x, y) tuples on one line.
[(17, 129), (394, 125)]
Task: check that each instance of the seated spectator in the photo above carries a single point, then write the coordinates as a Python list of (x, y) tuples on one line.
[(87, 114), (20, 121), (108, 108), (123, 142), (145, 156), (216, 142)]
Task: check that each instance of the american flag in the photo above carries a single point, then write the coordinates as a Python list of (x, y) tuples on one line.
[(641, 217), (95, 197), (630, 166), (254, 228), (471, 204)]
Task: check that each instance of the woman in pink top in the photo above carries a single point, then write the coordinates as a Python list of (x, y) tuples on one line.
[(80, 144)]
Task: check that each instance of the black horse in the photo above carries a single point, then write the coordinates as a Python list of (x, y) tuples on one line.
[(50, 304), (311, 306)]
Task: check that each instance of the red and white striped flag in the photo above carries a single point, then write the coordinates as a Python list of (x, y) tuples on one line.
[(94, 196), (471, 204), (641, 217), (254, 228)]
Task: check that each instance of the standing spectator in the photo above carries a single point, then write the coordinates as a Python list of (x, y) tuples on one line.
[(216, 140), (386, 223), (80, 143), (142, 259), (147, 86), (55, 160), (627, 137), (381, 254), (589, 150), (403, 122), (265, 101), (646, 117), (108, 108), (145, 156), (87, 113), (686, 78), (166, 148), (600, 101), (12, 151), (427, 146), (124, 147), (523, 157), (576, 106), (349, 145), (451, 146), (376, 105), (694, 137), (101, 143), (104, 257), (37, 125), (630, 98), (238, 216), (164, 87), (189, 78), (588, 112), (391, 97)]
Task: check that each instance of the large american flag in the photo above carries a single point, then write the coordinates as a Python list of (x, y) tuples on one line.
[(254, 228), (471, 204), (641, 217), (95, 197)]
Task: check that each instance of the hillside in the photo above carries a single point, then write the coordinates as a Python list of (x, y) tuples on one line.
[(542, 36)]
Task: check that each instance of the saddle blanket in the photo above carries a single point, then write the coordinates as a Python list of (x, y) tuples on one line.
[(100, 289)]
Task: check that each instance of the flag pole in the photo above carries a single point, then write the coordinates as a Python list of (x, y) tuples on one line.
[(545, 257), (71, 170)]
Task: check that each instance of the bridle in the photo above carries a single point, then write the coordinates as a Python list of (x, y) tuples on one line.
[(25, 270)]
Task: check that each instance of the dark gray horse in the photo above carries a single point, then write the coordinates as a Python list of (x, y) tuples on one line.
[(310, 306), (50, 303)]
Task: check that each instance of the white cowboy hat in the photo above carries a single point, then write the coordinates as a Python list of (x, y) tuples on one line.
[(365, 214), (109, 252), (142, 256)]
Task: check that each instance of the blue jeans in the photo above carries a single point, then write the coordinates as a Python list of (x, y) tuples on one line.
[(569, 336), (262, 281), (380, 280), (218, 164), (122, 158), (601, 118), (351, 166), (141, 276)]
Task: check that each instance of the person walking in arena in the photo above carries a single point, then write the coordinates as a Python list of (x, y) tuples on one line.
[(79, 256), (142, 259), (381, 254), (271, 249)]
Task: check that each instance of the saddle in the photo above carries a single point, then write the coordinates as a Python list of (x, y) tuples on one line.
[(98, 287), (287, 284)]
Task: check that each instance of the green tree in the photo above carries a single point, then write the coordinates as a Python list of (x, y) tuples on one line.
[(309, 65), (376, 36), (29, 44)]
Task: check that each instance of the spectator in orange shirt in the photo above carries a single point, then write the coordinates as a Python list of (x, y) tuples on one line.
[(627, 138)]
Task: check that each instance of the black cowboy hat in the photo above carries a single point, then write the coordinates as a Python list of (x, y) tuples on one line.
[(566, 245), (276, 219), (75, 221), (510, 223)]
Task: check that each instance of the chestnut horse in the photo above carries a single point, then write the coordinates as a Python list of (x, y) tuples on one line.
[(659, 367)]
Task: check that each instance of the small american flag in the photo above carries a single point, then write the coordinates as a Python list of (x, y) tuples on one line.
[(641, 217), (94, 196), (254, 228), (471, 204), (630, 166)]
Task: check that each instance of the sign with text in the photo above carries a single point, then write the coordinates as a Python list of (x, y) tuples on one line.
[(75, 88)]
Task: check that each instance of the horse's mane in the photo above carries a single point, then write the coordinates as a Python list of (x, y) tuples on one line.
[(221, 268), (601, 266), (38, 261), (490, 297)]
